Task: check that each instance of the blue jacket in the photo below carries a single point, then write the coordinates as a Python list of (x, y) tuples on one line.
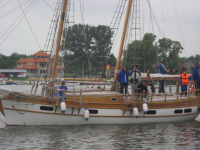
[(122, 77), (198, 74), (194, 73), (161, 69), (61, 93)]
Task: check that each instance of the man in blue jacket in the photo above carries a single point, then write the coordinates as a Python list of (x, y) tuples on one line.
[(196, 75), (162, 70), (122, 78)]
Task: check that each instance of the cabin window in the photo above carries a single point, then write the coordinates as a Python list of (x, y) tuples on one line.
[(188, 110), (47, 108), (113, 99), (151, 112), (93, 111), (178, 111)]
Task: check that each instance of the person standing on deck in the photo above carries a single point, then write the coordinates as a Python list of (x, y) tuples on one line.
[(135, 76), (122, 78), (196, 75), (184, 80), (162, 70)]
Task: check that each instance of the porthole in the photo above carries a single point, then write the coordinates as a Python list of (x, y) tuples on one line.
[(93, 111), (188, 110), (113, 99), (151, 112), (46, 108), (178, 111)]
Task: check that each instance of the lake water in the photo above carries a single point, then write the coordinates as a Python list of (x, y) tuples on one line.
[(156, 136)]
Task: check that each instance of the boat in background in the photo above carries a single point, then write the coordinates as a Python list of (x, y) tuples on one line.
[(10, 82)]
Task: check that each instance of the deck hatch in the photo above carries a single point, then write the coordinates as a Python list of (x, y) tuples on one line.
[(46, 108), (178, 111)]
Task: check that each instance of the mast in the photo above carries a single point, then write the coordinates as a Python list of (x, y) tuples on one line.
[(122, 43), (59, 37)]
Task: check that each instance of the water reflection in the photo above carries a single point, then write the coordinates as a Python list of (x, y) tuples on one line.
[(184, 135)]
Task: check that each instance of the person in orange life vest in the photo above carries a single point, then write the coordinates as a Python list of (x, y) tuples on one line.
[(184, 80)]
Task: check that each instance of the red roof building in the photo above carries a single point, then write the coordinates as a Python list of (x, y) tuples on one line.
[(39, 65)]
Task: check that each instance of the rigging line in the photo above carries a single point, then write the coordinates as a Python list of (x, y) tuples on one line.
[(48, 4), (5, 4), (13, 9), (151, 15), (29, 24), (33, 2), (179, 27), (82, 17), (161, 3), (13, 23)]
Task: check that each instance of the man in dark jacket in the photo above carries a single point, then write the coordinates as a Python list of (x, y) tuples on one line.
[(142, 88), (122, 78), (162, 70)]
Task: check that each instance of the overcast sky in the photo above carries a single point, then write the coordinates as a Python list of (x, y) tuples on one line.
[(96, 12)]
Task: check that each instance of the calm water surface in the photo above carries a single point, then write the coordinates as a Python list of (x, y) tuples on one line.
[(157, 136), (184, 135)]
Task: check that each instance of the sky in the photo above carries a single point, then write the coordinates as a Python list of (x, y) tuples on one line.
[(178, 19)]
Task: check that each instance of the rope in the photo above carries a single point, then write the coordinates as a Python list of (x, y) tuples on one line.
[(5, 4), (31, 5), (29, 25), (48, 4), (179, 27), (13, 9)]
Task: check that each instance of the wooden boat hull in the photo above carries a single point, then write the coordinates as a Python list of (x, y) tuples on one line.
[(20, 113)]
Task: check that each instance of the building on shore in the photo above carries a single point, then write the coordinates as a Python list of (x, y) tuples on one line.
[(40, 65), (13, 73)]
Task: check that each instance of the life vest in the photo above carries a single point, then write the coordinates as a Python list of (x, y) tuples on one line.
[(185, 79)]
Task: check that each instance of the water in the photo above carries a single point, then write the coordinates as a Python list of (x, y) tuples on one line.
[(156, 136), (184, 135)]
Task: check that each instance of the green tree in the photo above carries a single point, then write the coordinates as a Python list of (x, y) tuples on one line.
[(169, 51), (87, 47)]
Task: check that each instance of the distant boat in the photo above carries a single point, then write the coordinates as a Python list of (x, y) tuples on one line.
[(10, 82)]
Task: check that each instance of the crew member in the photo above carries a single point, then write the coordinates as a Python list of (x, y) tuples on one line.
[(61, 90), (122, 78), (184, 80), (162, 70)]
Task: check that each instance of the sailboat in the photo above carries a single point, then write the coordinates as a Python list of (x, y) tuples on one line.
[(97, 106)]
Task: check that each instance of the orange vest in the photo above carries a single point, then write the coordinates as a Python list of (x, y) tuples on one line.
[(185, 79)]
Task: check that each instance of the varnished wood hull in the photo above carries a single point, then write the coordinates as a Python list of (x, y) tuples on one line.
[(26, 109)]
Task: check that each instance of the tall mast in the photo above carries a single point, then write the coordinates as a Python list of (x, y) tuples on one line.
[(59, 37), (122, 43)]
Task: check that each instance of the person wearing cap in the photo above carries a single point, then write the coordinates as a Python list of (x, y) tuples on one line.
[(162, 70), (61, 90)]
